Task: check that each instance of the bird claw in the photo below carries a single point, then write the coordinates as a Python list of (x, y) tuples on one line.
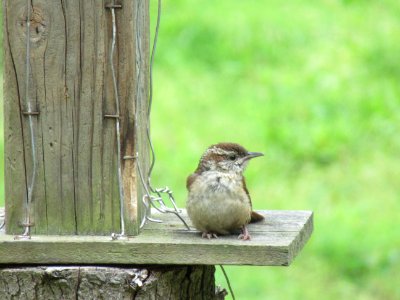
[(245, 236), (208, 235)]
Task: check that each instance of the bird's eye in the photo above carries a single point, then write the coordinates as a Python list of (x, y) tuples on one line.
[(232, 157)]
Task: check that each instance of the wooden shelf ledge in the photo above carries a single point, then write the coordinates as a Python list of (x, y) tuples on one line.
[(275, 242)]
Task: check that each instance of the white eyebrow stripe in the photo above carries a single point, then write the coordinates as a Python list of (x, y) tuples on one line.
[(219, 151)]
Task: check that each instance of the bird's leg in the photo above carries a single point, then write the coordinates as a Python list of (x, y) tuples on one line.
[(209, 235), (245, 234)]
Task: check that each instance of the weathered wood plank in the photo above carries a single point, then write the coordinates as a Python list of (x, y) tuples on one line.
[(76, 190), (302, 237), (142, 92), (274, 242), (54, 131), (110, 200), (92, 62), (14, 148), (274, 221), (71, 65), (126, 25)]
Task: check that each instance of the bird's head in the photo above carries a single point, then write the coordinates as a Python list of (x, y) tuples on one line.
[(226, 157)]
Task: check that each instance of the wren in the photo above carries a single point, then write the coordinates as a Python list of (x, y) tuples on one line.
[(218, 201)]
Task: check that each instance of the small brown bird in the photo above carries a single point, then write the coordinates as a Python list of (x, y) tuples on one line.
[(218, 200)]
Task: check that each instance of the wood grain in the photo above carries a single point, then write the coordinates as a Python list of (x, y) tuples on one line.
[(85, 282), (142, 92), (76, 190), (14, 146), (275, 242)]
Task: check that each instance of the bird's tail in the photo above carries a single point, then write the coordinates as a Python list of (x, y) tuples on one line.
[(256, 217)]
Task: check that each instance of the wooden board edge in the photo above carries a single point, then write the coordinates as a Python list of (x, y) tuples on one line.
[(118, 253), (101, 250), (302, 238)]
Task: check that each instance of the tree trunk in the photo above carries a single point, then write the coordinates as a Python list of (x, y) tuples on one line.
[(74, 282)]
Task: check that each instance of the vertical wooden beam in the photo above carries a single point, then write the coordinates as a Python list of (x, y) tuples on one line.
[(93, 40), (76, 190), (142, 74), (131, 24), (14, 148)]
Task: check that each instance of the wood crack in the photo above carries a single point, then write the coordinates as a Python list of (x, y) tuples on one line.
[(66, 109), (43, 142), (74, 166), (187, 277), (78, 282)]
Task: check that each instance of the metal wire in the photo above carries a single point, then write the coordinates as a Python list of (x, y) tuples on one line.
[(228, 282), (3, 223), (117, 125), (27, 223), (153, 52), (156, 201)]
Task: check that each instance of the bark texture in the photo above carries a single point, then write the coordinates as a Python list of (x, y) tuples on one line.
[(77, 282)]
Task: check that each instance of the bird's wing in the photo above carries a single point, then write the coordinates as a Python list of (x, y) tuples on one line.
[(191, 178), (255, 216)]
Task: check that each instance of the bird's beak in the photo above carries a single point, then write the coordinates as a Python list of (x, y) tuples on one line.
[(251, 155)]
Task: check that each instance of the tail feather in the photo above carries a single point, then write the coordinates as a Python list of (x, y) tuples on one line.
[(256, 217)]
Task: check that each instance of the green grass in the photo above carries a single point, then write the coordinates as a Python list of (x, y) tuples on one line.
[(316, 87)]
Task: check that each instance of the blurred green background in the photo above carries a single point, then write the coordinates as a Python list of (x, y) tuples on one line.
[(315, 85)]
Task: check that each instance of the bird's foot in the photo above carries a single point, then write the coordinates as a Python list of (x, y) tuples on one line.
[(209, 235), (245, 236)]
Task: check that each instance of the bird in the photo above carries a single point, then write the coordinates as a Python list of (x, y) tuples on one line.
[(218, 201)]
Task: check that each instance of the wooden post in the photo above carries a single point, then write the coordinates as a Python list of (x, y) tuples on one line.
[(71, 92), (70, 86), (177, 282)]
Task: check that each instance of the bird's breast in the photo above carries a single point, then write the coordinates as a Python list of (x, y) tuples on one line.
[(218, 202), (217, 183)]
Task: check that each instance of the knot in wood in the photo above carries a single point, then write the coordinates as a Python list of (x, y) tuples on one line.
[(138, 278), (38, 26)]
